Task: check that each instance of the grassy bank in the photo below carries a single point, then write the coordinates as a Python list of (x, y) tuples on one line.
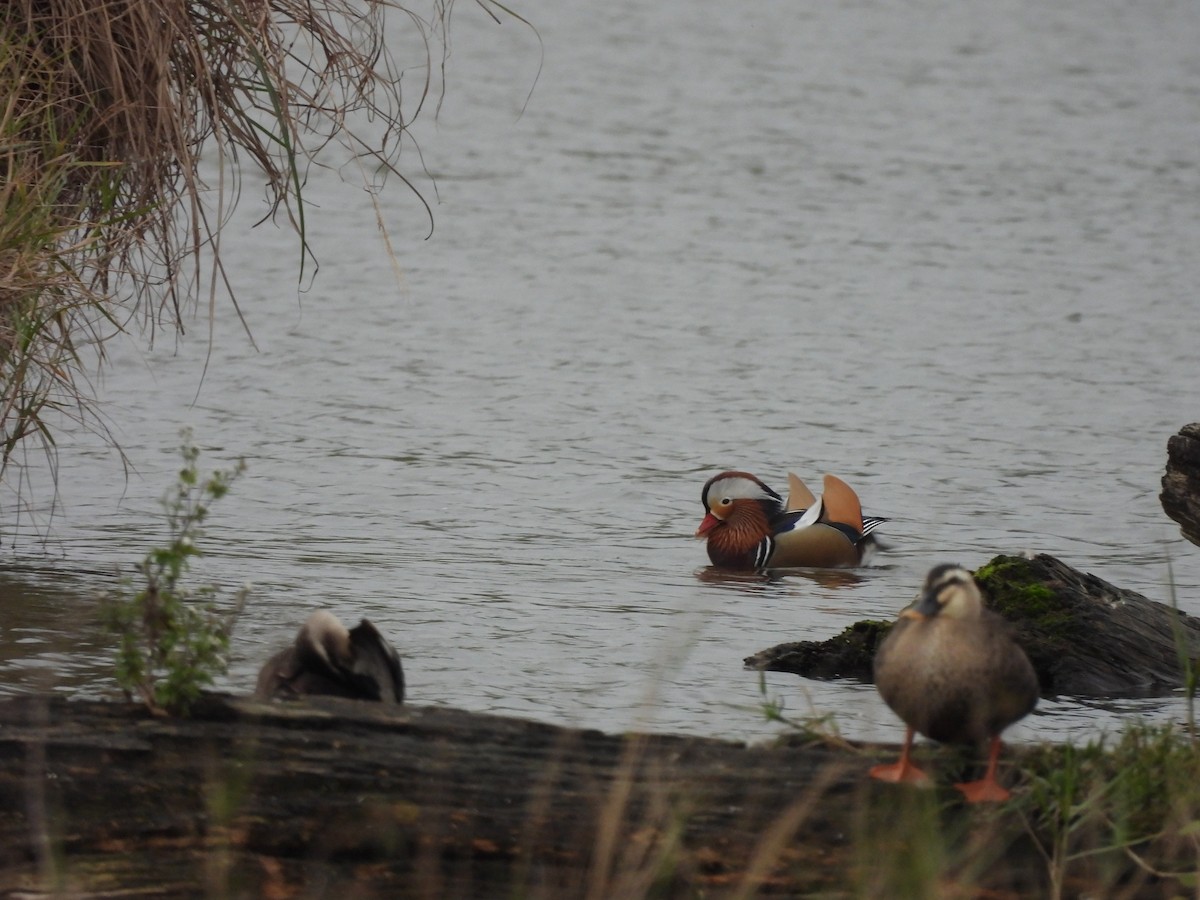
[(338, 798), (109, 217)]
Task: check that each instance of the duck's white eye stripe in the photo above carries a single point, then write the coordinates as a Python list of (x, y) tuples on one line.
[(743, 489)]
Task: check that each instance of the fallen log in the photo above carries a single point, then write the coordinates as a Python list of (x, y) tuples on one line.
[(1180, 495), (1084, 636), (339, 798)]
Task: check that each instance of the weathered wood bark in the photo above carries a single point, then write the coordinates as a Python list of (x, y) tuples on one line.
[(846, 655), (1084, 636), (337, 798), (1180, 495)]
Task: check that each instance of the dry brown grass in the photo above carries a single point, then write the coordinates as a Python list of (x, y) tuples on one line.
[(109, 216)]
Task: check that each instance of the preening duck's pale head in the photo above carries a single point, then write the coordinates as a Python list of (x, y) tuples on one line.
[(324, 635)]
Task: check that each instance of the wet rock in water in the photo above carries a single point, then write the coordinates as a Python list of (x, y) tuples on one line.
[(1084, 636), (1180, 495)]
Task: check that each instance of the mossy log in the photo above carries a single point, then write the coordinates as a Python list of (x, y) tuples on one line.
[(1084, 636), (340, 798), (1180, 495)]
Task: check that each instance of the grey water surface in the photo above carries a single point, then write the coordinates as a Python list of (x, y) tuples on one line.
[(948, 251)]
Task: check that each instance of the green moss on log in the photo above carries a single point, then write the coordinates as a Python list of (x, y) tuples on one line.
[(1017, 590)]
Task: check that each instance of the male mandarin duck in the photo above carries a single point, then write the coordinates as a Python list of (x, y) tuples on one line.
[(748, 526), (951, 670), (327, 659)]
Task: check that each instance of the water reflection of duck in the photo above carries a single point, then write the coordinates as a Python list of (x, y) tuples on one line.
[(748, 526), (950, 669), (754, 582), (326, 659)]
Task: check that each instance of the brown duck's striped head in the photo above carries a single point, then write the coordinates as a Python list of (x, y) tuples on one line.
[(949, 590)]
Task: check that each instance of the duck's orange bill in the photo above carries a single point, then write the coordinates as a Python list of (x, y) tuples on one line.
[(912, 614), (708, 524)]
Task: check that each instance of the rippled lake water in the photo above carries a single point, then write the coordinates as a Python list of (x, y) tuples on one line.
[(947, 251)]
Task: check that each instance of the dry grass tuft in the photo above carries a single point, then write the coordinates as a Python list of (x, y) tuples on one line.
[(110, 215)]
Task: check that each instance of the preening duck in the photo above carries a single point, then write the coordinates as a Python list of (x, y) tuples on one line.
[(326, 659), (748, 526), (950, 669)]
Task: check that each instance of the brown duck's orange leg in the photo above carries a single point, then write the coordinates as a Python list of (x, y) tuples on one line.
[(903, 769), (986, 789)]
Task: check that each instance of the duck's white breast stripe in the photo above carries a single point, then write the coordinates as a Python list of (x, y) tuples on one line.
[(766, 547)]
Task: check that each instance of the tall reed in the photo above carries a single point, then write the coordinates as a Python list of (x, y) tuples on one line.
[(128, 132)]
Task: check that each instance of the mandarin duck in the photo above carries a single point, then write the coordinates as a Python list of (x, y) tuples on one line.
[(748, 526), (950, 669), (328, 660)]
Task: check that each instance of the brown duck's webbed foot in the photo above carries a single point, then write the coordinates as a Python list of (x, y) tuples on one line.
[(986, 789), (903, 769)]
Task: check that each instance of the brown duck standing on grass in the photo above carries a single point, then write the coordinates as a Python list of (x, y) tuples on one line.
[(950, 669), (326, 659), (749, 527)]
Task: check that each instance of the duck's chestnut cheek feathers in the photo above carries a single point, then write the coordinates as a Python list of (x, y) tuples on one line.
[(707, 524)]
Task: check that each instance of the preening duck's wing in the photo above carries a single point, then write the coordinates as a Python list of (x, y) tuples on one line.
[(376, 667)]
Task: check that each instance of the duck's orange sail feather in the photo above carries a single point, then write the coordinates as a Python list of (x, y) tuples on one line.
[(799, 496), (842, 504)]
